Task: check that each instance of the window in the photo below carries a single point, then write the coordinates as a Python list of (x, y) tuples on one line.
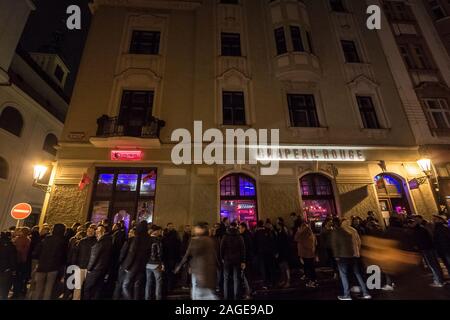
[(318, 197), (135, 111), (124, 194), (233, 108), (350, 52), (437, 10), (59, 73), (145, 42), (302, 110), (51, 141), (11, 120), (368, 113), (280, 40), (296, 35), (4, 170), (231, 44), (238, 199), (337, 5), (406, 54), (438, 113), (398, 11), (422, 61)]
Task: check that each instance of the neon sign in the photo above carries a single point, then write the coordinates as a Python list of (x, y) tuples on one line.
[(127, 155)]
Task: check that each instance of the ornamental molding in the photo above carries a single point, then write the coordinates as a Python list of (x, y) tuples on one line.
[(151, 4)]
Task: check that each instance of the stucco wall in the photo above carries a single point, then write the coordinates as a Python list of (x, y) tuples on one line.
[(67, 205), (357, 199)]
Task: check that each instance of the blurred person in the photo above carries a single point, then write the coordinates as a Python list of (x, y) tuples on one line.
[(284, 252), (22, 244), (71, 258), (248, 242), (98, 265), (117, 295), (8, 263), (346, 246), (155, 266), (45, 231), (135, 262), (232, 254), (35, 239), (358, 225), (265, 249), (172, 247), (186, 239), (306, 245), (118, 237), (325, 245), (441, 237), (51, 254), (424, 243), (203, 260), (82, 255)]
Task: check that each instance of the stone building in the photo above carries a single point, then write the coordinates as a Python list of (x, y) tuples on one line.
[(32, 111), (420, 65), (308, 68)]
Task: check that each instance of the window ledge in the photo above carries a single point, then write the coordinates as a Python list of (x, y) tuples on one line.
[(376, 133), (227, 126), (316, 131), (358, 64), (444, 132)]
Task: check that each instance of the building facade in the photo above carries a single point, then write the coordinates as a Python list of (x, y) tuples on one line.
[(32, 111), (439, 11), (308, 68), (420, 65)]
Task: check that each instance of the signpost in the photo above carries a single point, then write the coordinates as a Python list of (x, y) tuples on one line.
[(21, 211)]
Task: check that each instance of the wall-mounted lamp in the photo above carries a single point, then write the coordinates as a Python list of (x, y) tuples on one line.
[(38, 174)]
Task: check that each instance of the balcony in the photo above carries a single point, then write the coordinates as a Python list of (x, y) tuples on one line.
[(113, 133)]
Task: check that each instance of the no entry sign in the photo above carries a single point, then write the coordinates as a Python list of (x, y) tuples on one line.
[(21, 211)]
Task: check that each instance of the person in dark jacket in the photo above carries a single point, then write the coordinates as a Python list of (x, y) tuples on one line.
[(121, 273), (232, 254), (8, 263), (202, 257), (284, 252), (98, 265), (424, 243), (186, 239), (265, 249), (248, 242), (118, 235), (441, 236), (135, 262), (82, 255), (51, 254), (155, 265), (172, 247)]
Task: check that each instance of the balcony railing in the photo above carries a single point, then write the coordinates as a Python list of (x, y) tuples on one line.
[(112, 127)]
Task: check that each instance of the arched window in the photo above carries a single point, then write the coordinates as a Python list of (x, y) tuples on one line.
[(51, 141), (4, 170), (238, 199), (318, 197), (11, 120)]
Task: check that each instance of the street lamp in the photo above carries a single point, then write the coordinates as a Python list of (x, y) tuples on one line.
[(426, 166), (38, 174)]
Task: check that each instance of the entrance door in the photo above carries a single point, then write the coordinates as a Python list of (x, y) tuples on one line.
[(135, 111), (392, 195)]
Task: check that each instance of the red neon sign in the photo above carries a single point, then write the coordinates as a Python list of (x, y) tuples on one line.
[(127, 155)]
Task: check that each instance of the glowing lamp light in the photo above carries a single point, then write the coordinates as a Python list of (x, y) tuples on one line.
[(39, 172), (425, 165)]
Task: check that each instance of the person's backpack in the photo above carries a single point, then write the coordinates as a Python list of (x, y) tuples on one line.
[(155, 251)]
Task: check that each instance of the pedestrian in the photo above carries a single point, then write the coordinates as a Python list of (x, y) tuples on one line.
[(172, 247), (98, 265), (284, 252), (265, 249), (8, 262), (203, 260), (346, 246), (325, 245), (22, 243), (232, 253), (35, 240), (306, 245), (135, 262), (121, 272), (155, 265), (118, 237), (248, 242), (424, 243), (51, 253), (186, 239), (82, 255), (442, 239)]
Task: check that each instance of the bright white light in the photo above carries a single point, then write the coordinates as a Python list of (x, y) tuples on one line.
[(425, 165), (39, 172)]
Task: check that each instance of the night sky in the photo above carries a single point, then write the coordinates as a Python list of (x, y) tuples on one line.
[(49, 22)]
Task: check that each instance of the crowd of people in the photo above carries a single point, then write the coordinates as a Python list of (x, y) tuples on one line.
[(226, 260)]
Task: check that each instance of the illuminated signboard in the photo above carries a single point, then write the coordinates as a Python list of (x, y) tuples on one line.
[(127, 155), (310, 154)]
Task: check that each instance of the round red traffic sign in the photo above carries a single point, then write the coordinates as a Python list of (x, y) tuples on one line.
[(21, 211)]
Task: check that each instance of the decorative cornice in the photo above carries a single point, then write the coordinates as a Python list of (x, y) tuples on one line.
[(154, 4)]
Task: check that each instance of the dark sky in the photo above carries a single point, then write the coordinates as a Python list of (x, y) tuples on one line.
[(49, 20)]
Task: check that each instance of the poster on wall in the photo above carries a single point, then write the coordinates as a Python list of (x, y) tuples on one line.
[(100, 211), (145, 211)]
